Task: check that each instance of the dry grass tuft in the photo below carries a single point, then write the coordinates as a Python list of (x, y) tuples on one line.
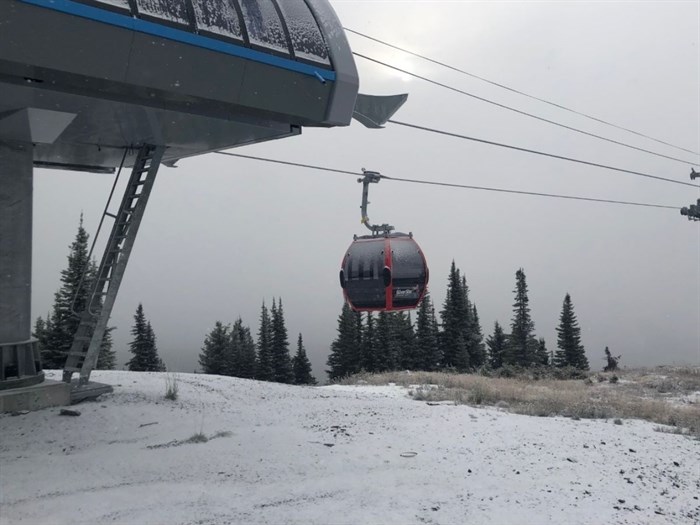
[(171, 387), (639, 394)]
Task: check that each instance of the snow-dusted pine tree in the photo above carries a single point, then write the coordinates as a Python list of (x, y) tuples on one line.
[(570, 350), (143, 345), (497, 346), (265, 370), (344, 358), (302, 366), (281, 360), (521, 342)]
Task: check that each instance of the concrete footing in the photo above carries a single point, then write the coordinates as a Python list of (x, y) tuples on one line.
[(50, 394), (35, 397)]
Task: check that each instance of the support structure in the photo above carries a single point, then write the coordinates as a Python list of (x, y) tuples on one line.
[(371, 177), (20, 364), (87, 341)]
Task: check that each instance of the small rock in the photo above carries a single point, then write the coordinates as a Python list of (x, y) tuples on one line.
[(632, 450), (68, 412), (435, 508), (620, 501), (19, 412), (675, 463), (329, 444), (571, 460)]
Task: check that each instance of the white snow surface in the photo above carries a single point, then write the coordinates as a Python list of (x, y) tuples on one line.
[(331, 455)]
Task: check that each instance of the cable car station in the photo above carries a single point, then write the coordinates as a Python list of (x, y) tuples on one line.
[(101, 85)]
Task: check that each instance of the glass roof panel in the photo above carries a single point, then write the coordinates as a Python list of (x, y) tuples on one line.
[(122, 4), (219, 17), (170, 10), (264, 25), (307, 39)]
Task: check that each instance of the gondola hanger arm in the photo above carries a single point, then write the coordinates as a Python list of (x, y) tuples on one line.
[(371, 177)]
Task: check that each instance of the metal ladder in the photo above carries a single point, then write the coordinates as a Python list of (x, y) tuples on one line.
[(83, 354)]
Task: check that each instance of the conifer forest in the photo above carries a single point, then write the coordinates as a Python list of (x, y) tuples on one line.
[(451, 339)]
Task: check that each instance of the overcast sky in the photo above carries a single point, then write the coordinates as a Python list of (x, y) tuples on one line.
[(221, 234)]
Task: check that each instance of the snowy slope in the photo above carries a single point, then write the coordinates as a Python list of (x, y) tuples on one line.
[(331, 455)]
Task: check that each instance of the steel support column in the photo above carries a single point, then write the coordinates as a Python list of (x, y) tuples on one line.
[(20, 364), (15, 241)]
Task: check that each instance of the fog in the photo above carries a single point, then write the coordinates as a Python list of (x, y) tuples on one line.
[(222, 234)]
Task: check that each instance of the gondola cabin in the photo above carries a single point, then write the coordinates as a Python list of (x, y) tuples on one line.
[(384, 273)]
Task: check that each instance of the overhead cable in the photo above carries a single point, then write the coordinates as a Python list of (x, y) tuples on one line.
[(508, 88), (451, 185), (289, 163), (520, 112), (536, 152)]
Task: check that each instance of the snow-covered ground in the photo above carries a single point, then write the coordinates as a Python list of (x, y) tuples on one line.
[(327, 455)]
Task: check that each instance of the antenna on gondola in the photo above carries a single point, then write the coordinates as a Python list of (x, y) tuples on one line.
[(371, 177)]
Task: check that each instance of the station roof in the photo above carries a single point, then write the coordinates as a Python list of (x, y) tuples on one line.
[(285, 28)]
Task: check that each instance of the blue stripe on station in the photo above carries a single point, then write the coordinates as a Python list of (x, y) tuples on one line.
[(150, 28)]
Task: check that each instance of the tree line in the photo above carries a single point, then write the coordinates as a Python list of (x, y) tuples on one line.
[(232, 351), (392, 341), (228, 350), (372, 343)]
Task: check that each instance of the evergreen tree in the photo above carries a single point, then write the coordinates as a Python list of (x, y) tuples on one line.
[(427, 341), (383, 348), (497, 345), (214, 355), (143, 346), (155, 363), (55, 334), (368, 351), (265, 370), (542, 354), (407, 349), (233, 353), (242, 355), (570, 350), (39, 332), (281, 360), (63, 322), (394, 341), (455, 338), (344, 358), (521, 350), (302, 366), (477, 349), (107, 358), (461, 357), (612, 362)]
